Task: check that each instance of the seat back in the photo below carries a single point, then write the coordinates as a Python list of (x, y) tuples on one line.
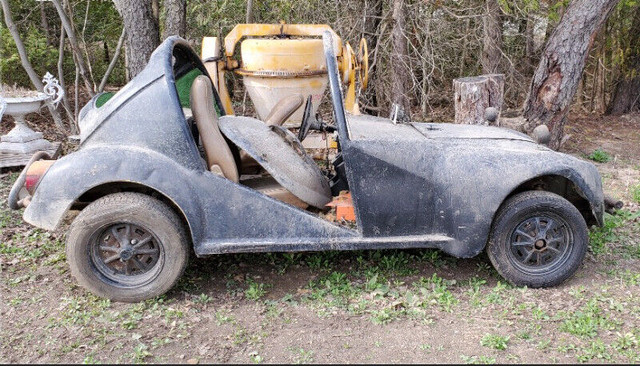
[(217, 152)]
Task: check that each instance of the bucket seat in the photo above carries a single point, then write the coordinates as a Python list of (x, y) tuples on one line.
[(217, 152)]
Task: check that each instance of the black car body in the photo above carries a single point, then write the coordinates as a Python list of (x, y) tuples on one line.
[(414, 185)]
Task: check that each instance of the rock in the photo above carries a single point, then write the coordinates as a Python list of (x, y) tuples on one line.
[(192, 361), (491, 115), (541, 134)]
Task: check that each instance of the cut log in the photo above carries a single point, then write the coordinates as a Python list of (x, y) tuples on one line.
[(473, 95)]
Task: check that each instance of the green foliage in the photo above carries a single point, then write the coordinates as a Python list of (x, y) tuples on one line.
[(587, 321), (255, 290), (43, 57), (100, 33), (495, 341), (600, 236), (600, 156), (635, 193), (478, 360)]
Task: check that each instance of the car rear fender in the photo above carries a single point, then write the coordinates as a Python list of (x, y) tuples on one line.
[(77, 173)]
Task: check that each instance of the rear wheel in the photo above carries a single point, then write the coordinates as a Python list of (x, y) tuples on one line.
[(127, 247), (538, 239)]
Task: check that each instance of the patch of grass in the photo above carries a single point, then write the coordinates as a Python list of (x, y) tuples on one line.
[(600, 156), (255, 357), (478, 360), (384, 316), (255, 291), (333, 290), (223, 317), (635, 193), (496, 295), (436, 291), (595, 350), (625, 341), (300, 355), (140, 352), (587, 321), (600, 236), (495, 341), (202, 299)]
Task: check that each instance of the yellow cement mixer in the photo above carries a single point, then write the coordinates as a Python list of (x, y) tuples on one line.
[(281, 60)]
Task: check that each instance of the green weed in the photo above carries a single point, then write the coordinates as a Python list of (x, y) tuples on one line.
[(587, 321), (255, 290), (478, 360), (600, 156), (596, 350), (600, 236), (436, 291), (635, 193), (300, 355), (495, 341)]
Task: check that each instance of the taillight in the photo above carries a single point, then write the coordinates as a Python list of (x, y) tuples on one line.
[(35, 172)]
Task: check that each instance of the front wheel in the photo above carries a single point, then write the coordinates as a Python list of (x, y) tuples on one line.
[(538, 239), (127, 247)]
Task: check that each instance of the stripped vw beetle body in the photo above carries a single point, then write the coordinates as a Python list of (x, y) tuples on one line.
[(149, 191)]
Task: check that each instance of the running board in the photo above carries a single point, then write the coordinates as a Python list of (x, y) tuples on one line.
[(308, 245)]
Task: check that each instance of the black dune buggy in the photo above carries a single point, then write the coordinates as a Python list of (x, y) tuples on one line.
[(157, 173)]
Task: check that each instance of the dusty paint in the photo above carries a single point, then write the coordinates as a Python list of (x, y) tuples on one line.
[(413, 185)]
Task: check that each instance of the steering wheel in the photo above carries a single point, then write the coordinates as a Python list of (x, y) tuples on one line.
[(306, 120)]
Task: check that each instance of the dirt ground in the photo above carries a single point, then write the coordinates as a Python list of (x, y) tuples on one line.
[(409, 306)]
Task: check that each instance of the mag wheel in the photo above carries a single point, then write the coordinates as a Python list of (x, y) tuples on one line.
[(127, 247), (538, 239)]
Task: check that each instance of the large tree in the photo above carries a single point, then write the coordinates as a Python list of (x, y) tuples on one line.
[(175, 23), (626, 97), (492, 40), (556, 79), (141, 32), (400, 72)]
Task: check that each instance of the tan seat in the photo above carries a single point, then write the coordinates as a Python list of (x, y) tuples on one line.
[(280, 112), (217, 152)]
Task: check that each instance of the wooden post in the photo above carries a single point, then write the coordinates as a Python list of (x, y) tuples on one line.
[(473, 95)]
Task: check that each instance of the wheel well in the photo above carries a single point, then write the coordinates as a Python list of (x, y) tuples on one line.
[(562, 187), (116, 187)]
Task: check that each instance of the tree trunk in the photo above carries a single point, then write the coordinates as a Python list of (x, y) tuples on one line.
[(371, 30), (492, 39), (113, 62), (249, 17), (176, 18), (626, 97), (530, 47), (555, 81), (474, 95), (400, 61), (44, 22), (142, 32), (67, 23)]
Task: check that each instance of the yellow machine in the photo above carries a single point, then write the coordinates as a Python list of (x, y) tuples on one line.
[(281, 60)]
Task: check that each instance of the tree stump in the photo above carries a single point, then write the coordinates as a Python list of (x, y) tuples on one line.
[(473, 95)]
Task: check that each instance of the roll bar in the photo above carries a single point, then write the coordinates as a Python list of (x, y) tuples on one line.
[(336, 92)]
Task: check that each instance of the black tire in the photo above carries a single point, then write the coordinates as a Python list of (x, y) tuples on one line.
[(153, 257), (538, 239)]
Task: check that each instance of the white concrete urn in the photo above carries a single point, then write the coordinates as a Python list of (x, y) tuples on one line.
[(22, 139)]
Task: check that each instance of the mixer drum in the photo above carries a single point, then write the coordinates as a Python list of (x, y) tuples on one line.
[(274, 69)]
